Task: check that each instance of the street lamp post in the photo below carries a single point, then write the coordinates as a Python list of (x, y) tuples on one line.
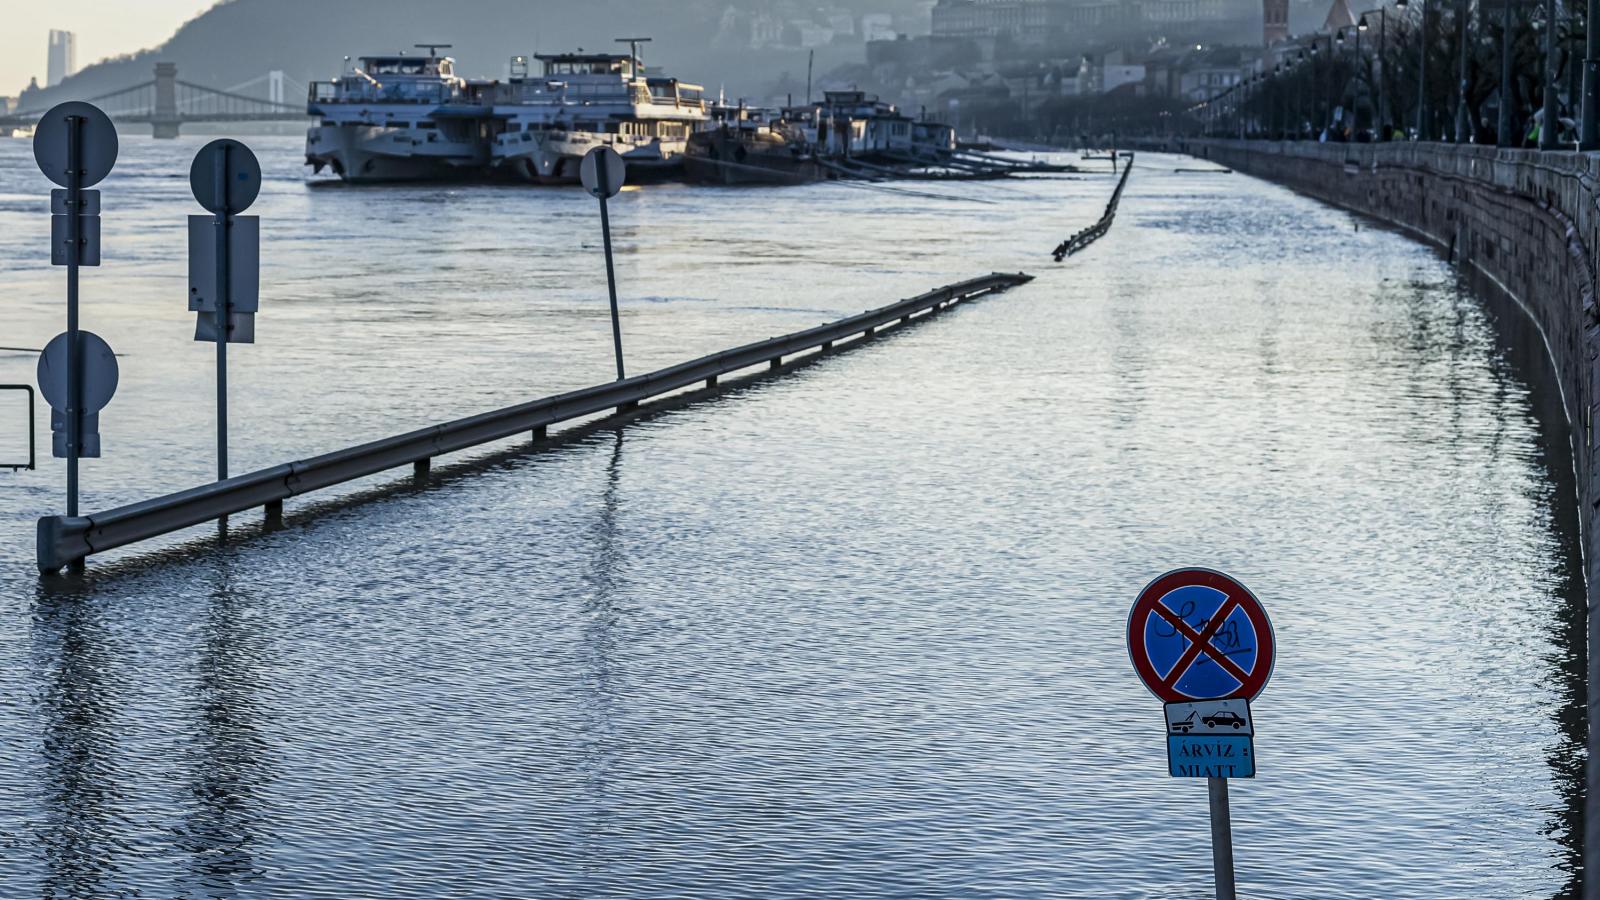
[(1463, 13), (1299, 94), (1422, 64), (1279, 113), (1383, 46), (1589, 139), (1552, 122), (1338, 40), (1243, 107), (1503, 124)]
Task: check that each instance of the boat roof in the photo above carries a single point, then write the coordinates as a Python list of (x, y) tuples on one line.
[(585, 57), (403, 58)]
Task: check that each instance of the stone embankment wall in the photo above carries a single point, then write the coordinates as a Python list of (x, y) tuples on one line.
[(1525, 226)]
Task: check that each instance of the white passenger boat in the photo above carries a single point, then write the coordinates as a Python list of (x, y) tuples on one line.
[(398, 118), (586, 100)]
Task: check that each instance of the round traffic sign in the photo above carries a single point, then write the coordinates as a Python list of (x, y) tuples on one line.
[(1197, 634), (97, 142), (240, 182), (603, 180), (96, 362)]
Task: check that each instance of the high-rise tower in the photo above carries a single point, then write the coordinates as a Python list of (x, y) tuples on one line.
[(63, 57)]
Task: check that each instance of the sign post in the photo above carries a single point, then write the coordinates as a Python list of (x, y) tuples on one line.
[(603, 173), (75, 146), (1202, 643), (224, 260)]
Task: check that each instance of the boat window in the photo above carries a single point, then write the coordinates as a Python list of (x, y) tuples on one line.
[(396, 66)]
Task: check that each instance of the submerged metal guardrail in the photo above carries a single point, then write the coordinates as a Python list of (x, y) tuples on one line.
[(66, 540), (1094, 232)]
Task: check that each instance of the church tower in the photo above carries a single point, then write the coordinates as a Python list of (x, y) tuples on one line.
[(1275, 21)]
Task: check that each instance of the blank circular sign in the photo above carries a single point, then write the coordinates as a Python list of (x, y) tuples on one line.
[(97, 143), (607, 183), (98, 365), (240, 182)]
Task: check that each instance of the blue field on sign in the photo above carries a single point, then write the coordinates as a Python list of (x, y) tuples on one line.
[(1235, 638), (1211, 756)]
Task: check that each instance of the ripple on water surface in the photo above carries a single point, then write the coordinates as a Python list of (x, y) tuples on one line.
[(855, 632)]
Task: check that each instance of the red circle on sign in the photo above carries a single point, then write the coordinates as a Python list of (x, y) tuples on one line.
[(1236, 596)]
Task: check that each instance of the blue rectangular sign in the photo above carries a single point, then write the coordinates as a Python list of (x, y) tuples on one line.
[(1211, 756)]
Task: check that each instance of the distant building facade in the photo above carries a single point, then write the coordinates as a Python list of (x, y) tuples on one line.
[(63, 60), (1021, 19), (1274, 21)]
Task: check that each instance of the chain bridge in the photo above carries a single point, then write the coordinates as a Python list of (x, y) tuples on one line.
[(166, 104)]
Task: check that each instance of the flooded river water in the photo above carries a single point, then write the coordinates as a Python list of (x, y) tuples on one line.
[(854, 632)]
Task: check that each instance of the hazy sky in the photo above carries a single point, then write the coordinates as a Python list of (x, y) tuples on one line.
[(104, 28)]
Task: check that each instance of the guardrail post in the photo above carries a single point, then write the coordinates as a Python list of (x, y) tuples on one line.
[(777, 363), (540, 432), (711, 382), (274, 514), (421, 468), (61, 542)]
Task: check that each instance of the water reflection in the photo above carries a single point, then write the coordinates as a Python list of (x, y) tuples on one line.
[(81, 827), (1329, 417), (227, 752), (597, 738)]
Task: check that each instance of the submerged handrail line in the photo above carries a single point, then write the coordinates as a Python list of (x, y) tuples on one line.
[(64, 540), (1094, 232)]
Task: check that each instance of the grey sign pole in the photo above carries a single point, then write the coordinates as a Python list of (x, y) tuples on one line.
[(225, 178), (603, 173), (1221, 838), (75, 145), (74, 352), (611, 269), (224, 223)]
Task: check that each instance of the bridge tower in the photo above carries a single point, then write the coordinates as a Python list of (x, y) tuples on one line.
[(164, 124), (275, 86)]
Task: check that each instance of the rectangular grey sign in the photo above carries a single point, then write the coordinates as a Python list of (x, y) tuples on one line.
[(244, 264), (90, 253), (58, 202)]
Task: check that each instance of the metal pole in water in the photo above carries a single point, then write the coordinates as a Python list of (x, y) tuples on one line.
[(74, 351), (1221, 838), (224, 222), (611, 271)]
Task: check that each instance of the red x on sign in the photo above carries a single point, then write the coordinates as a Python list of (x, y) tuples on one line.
[(1197, 634)]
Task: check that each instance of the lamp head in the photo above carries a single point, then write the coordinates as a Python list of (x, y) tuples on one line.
[(1362, 25)]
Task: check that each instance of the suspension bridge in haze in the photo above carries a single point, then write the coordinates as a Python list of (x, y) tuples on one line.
[(166, 103)]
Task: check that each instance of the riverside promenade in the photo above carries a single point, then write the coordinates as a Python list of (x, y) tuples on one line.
[(1524, 227)]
